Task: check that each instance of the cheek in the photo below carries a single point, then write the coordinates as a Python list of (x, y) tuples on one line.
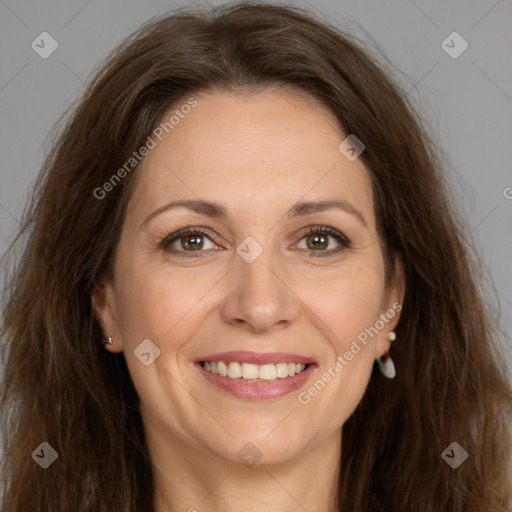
[(348, 307), (154, 302), (161, 305), (347, 303)]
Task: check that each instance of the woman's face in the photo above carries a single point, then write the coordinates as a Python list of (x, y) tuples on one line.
[(253, 287)]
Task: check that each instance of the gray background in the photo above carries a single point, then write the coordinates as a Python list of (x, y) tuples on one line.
[(466, 100)]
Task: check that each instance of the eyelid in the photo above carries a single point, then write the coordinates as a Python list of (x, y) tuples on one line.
[(325, 229), (168, 239), (342, 239)]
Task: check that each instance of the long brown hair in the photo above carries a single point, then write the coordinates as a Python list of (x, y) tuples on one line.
[(60, 385)]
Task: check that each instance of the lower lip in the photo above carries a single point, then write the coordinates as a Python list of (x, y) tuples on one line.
[(260, 390)]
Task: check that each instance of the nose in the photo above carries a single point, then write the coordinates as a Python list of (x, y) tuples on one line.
[(260, 299)]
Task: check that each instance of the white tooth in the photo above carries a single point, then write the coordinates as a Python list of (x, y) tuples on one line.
[(267, 372), (223, 369), (250, 371), (234, 370), (281, 370)]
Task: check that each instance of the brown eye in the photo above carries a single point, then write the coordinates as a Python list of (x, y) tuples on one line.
[(318, 240), (193, 242), (186, 241)]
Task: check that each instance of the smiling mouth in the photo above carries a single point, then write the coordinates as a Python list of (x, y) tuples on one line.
[(253, 372)]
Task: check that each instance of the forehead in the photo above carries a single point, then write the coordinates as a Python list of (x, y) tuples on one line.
[(253, 152)]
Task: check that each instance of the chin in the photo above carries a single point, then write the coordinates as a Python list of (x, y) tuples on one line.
[(262, 446)]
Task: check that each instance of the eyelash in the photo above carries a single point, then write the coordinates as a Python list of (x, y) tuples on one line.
[(311, 230)]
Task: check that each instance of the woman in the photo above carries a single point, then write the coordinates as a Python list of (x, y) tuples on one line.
[(244, 286)]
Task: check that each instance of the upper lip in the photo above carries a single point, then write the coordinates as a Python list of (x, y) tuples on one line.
[(257, 358)]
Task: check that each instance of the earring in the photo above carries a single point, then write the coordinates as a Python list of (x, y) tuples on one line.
[(107, 341), (386, 364)]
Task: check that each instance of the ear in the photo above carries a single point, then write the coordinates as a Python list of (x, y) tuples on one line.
[(392, 305), (104, 308)]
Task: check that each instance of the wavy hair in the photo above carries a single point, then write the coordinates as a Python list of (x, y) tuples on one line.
[(62, 387)]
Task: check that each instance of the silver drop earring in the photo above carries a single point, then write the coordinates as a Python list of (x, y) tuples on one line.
[(386, 364)]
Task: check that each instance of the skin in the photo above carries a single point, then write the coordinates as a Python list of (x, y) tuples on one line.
[(257, 155)]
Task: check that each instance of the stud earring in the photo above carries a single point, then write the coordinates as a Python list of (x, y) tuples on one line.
[(391, 336), (386, 365), (107, 341)]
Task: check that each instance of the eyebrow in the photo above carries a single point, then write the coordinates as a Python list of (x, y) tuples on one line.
[(216, 210)]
